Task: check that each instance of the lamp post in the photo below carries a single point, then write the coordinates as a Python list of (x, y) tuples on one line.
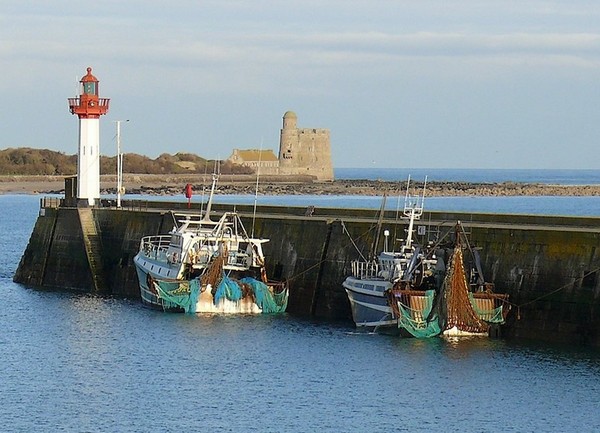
[(120, 189)]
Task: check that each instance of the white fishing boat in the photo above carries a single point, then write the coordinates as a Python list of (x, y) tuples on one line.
[(411, 266), (206, 266)]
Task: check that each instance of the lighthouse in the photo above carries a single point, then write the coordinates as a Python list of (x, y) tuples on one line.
[(88, 107)]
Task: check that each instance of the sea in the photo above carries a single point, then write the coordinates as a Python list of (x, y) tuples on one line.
[(71, 362), (476, 175), (529, 205)]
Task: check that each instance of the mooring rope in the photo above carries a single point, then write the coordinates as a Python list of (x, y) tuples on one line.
[(343, 246), (345, 230), (545, 295)]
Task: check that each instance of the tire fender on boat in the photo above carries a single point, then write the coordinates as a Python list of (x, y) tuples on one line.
[(150, 284)]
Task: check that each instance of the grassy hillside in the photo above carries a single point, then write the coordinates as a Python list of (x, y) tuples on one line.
[(27, 161)]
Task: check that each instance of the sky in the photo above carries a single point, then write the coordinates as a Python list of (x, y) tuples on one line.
[(407, 84)]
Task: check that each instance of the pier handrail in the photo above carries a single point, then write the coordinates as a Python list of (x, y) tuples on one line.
[(51, 202)]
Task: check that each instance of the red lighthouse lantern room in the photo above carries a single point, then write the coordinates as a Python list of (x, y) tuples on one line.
[(88, 105)]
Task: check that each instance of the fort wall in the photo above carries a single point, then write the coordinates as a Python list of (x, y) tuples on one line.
[(304, 151)]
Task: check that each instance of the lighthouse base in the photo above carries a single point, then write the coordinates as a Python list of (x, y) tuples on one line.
[(71, 199), (87, 202)]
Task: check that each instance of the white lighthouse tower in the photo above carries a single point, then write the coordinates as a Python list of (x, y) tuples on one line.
[(89, 107)]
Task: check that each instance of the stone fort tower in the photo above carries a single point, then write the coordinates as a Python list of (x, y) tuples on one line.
[(304, 150)]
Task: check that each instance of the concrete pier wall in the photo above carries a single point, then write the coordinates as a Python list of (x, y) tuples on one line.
[(548, 265)]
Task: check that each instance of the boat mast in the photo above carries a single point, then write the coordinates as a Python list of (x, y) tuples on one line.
[(215, 176), (256, 189), (395, 238), (409, 207), (413, 209), (379, 224), (203, 188)]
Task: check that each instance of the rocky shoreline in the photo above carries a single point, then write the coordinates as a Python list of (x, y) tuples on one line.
[(173, 185)]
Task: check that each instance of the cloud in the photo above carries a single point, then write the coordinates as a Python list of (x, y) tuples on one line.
[(254, 47), (369, 70)]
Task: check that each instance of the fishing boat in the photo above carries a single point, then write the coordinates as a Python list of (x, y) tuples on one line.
[(464, 305), (411, 266), (207, 266), (425, 291)]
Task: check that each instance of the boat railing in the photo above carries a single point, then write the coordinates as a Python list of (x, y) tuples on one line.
[(155, 247), (365, 270)]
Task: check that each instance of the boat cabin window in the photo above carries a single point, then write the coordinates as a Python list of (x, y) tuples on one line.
[(175, 241), (387, 265)]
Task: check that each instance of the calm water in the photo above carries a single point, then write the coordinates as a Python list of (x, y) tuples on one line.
[(85, 364)]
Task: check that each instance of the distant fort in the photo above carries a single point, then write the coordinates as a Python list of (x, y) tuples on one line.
[(302, 151)]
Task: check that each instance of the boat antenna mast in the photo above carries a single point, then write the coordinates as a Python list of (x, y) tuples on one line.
[(215, 177), (413, 209), (203, 187), (256, 189), (394, 239), (379, 225)]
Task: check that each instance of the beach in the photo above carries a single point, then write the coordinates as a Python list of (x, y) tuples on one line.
[(174, 185)]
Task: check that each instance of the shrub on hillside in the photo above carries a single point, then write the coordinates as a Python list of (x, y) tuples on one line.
[(27, 161)]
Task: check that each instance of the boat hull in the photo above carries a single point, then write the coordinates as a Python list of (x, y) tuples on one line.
[(205, 302), (455, 332), (370, 308)]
